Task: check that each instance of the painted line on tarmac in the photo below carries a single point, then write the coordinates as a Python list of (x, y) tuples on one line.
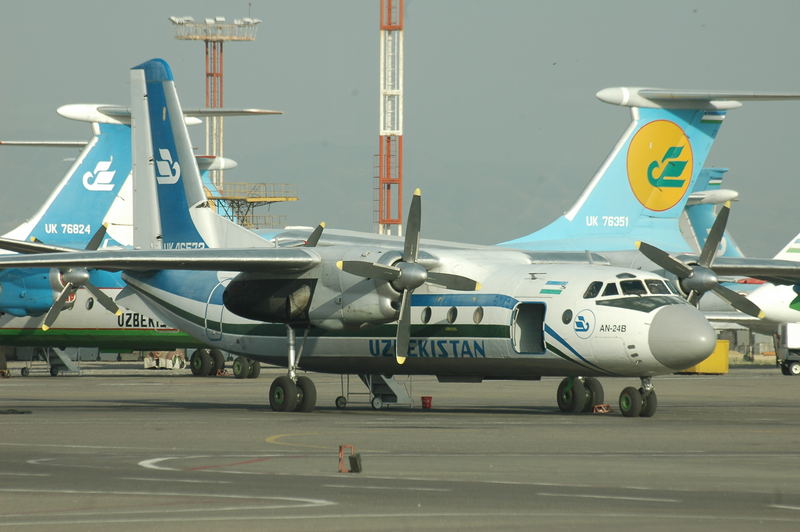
[(65, 446), (607, 497), (392, 488), (274, 440), (186, 480), (25, 474), (784, 507)]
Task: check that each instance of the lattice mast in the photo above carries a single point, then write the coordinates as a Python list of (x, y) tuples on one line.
[(214, 32), (390, 148)]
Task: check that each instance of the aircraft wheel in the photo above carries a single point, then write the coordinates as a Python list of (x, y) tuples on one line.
[(341, 402), (241, 367), (649, 403), (255, 369), (200, 362), (283, 394), (571, 395), (377, 403), (793, 368), (307, 395), (630, 402), (594, 393), (217, 361), (784, 369), (54, 372), (25, 372)]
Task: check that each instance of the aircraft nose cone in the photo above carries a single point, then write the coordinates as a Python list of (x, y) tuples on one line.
[(680, 336)]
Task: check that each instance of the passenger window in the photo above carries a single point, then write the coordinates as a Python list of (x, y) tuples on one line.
[(593, 290), (611, 290), (656, 286), (633, 288)]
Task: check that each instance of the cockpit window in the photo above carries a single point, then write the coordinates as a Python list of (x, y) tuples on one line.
[(593, 290), (656, 286), (633, 288), (672, 288), (642, 304), (611, 290)]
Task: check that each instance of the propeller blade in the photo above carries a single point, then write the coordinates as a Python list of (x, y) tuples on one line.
[(403, 328), (369, 270), (97, 239), (313, 238), (694, 297), (715, 236), (739, 302), (103, 299), (453, 282), (413, 224), (664, 259), (57, 307)]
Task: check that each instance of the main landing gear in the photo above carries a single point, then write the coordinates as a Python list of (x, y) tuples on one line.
[(290, 392), (581, 394)]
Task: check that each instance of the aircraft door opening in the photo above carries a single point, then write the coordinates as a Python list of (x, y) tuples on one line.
[(213, 317), (527, 328)]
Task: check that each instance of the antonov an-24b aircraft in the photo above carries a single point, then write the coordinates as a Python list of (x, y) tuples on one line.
[(457, 311)]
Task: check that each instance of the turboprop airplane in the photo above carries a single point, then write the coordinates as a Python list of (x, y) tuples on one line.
[(95, 194), (462, 312)]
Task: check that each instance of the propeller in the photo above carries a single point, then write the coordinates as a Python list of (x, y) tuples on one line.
[(697, 279), (316, 234), (75, 278), (407, 275)]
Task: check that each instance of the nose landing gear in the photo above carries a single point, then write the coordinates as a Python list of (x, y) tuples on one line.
[(581, 394), (640, 402)]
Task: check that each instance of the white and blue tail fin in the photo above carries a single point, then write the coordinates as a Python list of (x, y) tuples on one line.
[(701, 211), (92, 188), (640, 191), (166, 174)]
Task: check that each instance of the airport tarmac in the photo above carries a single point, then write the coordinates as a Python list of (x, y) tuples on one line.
[(119, 448)]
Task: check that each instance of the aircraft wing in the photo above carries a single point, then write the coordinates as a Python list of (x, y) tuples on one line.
[(23, 246), (770, 270), (273, 260)]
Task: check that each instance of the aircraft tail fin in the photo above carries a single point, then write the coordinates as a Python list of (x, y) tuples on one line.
[(170, 178), (641, 189), (701, 211), (91, 189)]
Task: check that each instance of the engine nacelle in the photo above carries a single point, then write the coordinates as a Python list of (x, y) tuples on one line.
[(273, 300), (27, 292)]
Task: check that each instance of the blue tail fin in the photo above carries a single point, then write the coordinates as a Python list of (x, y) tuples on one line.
[(81, 202), (170, 203), (641, 189)]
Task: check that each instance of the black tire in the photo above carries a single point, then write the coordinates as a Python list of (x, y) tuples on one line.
[(255, 369), (793, 368), (241, 367), (630, 402), (307, 394), (25, 371), (341, 402), (217, 361), (594, 393), (649, 403), (784, 369), (283, 394), (200, 362), (53, 371), (571, 398)]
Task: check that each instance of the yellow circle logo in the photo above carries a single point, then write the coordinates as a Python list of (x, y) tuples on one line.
[(659, 165)]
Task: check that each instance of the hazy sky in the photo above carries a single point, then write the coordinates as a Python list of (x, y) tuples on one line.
[(502, 129)]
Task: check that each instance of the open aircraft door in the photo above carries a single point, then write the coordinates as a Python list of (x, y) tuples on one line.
[(527, 328)]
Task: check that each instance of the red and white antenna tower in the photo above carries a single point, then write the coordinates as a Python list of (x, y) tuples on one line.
[(390, 152)]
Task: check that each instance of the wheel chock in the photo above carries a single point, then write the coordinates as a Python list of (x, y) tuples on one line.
[(354, 459), (603, 408)]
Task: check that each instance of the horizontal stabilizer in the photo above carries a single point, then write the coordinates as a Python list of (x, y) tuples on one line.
[(712, 197), (45, 143), (686, 99)]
